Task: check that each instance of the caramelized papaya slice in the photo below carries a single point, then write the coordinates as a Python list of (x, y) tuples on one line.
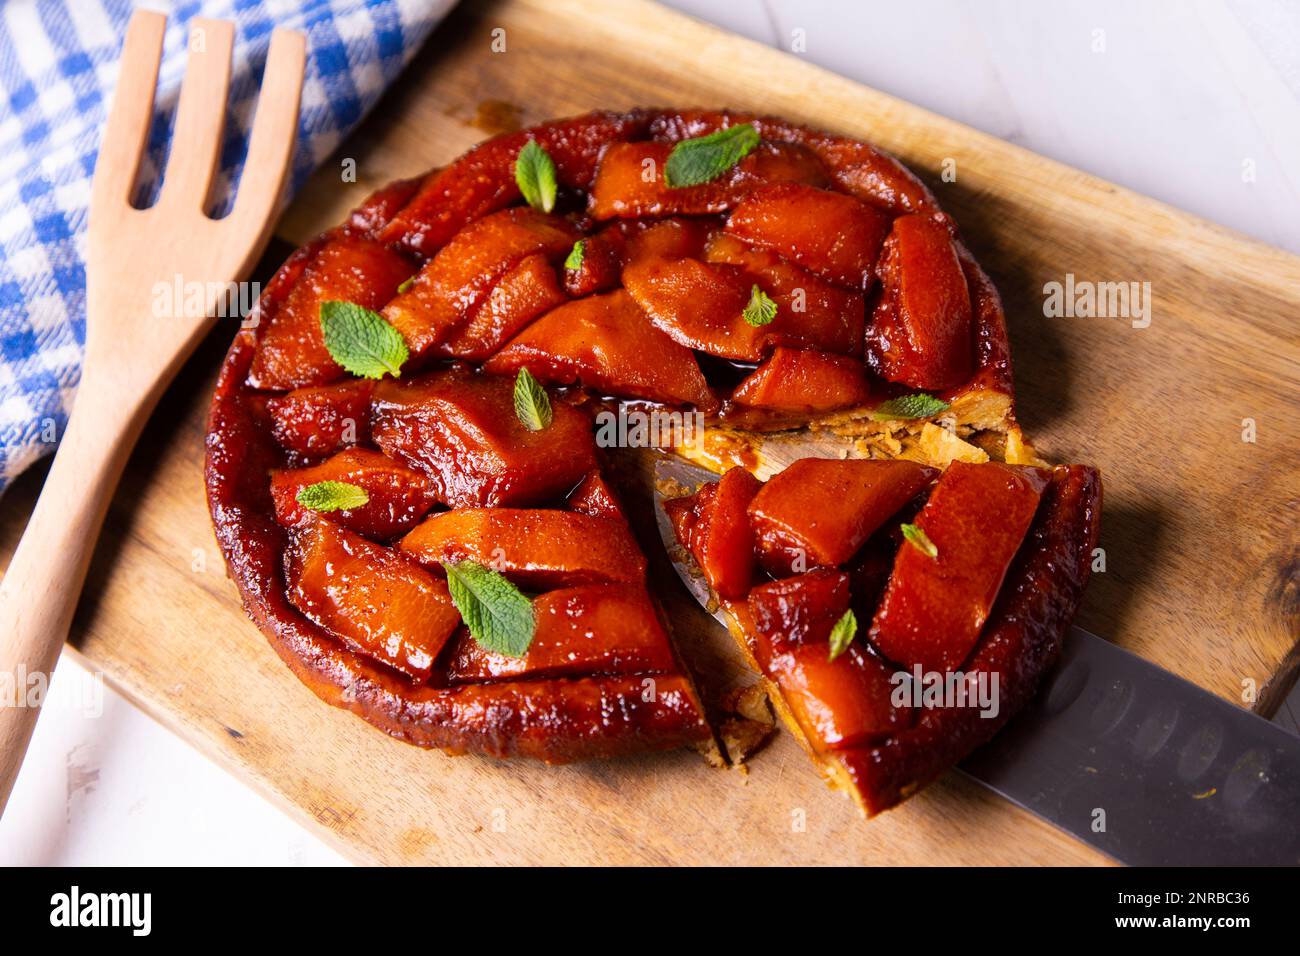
[(383, 204), (630, 180), (698, 304), (920, 333), (605, 253), (871, 174), (525, 292), (608, 344), (598, 629), (595, 497), (719, 534), (483, 180), (321, 419), (934, 608), (799, 610), (455, 282), (831, 235), (373, 600), (673, 238), (684, 513), (838, 703), (701, 304), (842, 703), (797, 380), (291, 349), (461, 429), (819, 511), (810, 313), (399, 497), (537, 548)]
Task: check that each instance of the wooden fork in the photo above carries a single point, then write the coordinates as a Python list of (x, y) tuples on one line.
[(133, 351)]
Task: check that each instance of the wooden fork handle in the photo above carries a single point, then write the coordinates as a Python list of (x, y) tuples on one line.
[(39, 591)]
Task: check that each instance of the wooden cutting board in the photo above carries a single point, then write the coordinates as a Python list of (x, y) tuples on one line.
[(1199, 526)]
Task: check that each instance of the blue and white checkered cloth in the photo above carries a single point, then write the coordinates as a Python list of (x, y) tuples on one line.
[(58, 67)]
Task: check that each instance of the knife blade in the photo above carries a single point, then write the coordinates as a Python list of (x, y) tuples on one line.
[(1145, 766)]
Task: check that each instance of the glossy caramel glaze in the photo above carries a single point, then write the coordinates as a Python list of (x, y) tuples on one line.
[(369, 597)]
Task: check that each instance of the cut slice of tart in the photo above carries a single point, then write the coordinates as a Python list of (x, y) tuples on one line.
[(869, 581)]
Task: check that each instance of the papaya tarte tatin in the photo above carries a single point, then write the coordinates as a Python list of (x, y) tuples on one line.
[(401, 465)]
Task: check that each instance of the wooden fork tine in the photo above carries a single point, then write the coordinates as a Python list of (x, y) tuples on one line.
[(270, 145), (200, 115), (128, 121)]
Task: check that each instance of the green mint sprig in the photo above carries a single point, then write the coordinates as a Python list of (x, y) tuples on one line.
[(535, 174), (363, 342), (532, 404), (326, 496), (499, 616), (761, 310), (573, 262), (842, 634), (704, 158), (916, 405), (920, 540)]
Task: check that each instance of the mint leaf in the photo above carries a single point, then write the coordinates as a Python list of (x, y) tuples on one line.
[(842, 634), (698, 160), (499, 616), (535, 174), (574, 261), (532, 404), (917, 405), (761, 310), (920, 540), (332, 496), (362, 341)]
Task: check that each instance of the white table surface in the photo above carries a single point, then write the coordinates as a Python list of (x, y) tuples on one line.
[(1183, 99)]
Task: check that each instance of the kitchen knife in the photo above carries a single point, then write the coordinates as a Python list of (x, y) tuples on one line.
[(1141, 764)]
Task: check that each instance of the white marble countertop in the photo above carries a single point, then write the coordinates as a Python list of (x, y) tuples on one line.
[(1195, 103)]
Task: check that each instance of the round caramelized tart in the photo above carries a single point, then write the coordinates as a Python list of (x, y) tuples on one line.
[(763, 274)]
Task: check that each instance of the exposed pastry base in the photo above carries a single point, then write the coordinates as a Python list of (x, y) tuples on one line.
[(979, 426)]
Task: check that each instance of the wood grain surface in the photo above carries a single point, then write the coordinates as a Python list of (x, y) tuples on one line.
[(1199, 525)]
